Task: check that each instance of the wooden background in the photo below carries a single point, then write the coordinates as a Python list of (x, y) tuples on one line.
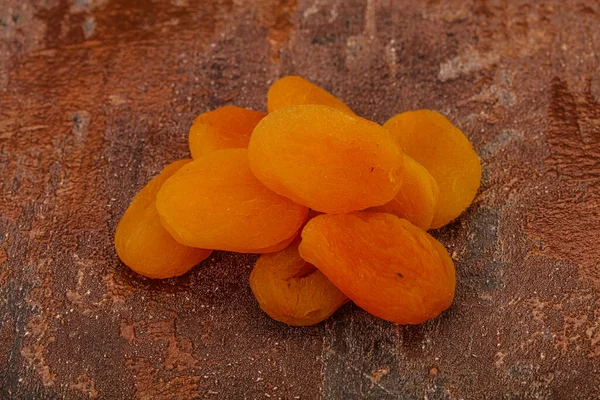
[(96, 96)]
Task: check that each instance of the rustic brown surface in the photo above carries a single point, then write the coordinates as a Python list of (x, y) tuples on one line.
[(96, 96)]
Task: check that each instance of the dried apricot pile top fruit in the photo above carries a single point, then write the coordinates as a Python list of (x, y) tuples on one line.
[(337, 205), (432, 140), (293, 291), (417, 198), (215, 202), (384, 264), (269, 249), (144, 245), (295, 90), (326, 159), (228, 127)]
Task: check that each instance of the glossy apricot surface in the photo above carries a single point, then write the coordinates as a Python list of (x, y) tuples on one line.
[(384, 264), (431, 140), (326, 159), (293, 291), (295, 90), (417, 198), (227, 127), (144, 245), (216, 202)]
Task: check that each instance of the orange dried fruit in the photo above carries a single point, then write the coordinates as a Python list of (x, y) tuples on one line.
[(417, 198), (431, 140), (326, 159), (292, 291), (384, 264), (295, 90), (227, 127), (144, 245), (270, 249), (216, 202)]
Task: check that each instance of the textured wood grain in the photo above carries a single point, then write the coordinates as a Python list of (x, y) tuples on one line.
[(96, 96)]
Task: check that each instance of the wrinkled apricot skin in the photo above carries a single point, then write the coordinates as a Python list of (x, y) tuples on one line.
[(295, 90), (144, 245), (384, 264), (417, 198), (271, 249), (227, 127), (216, 202), (431, 140), (326, 159), (292, 291)]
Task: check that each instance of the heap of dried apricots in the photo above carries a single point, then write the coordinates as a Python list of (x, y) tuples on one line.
[(337, 205)]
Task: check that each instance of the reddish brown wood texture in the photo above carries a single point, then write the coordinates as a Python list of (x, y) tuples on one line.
[(96, 96)]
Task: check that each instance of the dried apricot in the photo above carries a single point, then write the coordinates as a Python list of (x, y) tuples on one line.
[(384, 264), (270, 249), (445, 151), (228, 127), (295, 90), (326, 159), (293, 291), (216, 202), (417, 198), (144, 245)]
